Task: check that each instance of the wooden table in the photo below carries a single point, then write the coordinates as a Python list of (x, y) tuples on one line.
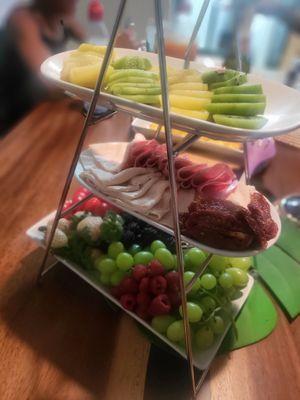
[(62, 341)]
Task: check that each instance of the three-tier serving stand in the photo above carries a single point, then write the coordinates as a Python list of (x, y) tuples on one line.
[(163, 120)]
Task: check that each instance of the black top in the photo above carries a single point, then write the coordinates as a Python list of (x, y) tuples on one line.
[(20, 88)]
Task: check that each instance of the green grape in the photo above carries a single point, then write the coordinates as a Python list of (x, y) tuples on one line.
[(106, 266), (188, 275), (165, 257), (105, 279), (208, 304), (187, 262), (162, 322), (114, 249), (208, 281), (234, 293), (117, 277), (219, 263), (143, 257), (134, 249), (98, 260), (243, 263), (124, 261), (175, 331), (217, 324), (240, 277), (176, 263), (204, 337), (226, 280), (194, 312), (196, 257), (157, 244)]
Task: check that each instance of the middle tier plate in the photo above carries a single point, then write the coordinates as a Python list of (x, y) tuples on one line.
[(169, 230)]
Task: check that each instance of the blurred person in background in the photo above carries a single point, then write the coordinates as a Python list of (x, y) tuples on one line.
[(32, 33)]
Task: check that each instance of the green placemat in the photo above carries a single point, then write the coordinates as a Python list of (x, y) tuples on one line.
[(256, 320), (289, 240), (282, 274)]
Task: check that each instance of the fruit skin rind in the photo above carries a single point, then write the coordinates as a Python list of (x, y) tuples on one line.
[(218, 76), (240, 109), (238, 98), (236, 121), (235, 81), (242, 89)]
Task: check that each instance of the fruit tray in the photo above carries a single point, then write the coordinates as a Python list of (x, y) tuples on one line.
[(208, 249), (282, 109), (202, 359)]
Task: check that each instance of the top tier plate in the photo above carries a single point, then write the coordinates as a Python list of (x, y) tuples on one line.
[(282, 111)]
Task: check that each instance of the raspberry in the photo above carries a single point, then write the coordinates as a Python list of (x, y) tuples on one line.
[(174, 297), (116, 292), (143, 299), (128, 301), (155, 268), (173, 281), (144, 284), (129, 285), (142, 312), (160, 305), (158, 284), (139, 272)]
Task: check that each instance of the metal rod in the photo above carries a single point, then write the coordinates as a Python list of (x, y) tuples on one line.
[(186, 142), (75, 205), (173, 185), (200, 18), (246, 163), (45, 271), (203, 267), (157, 132), (238, 56), (83, 133), (202, 379)]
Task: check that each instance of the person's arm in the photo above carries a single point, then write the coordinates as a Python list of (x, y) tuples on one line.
[(25, 31)]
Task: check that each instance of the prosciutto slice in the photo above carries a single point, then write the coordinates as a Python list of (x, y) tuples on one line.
[(215, 181)]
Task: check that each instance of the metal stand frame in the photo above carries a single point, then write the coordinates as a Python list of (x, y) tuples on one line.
[(172, 151)]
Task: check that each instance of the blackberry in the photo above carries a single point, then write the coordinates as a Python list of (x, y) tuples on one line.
[(128, 238)]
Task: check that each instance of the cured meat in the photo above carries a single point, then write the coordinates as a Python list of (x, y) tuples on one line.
[(225, 225), (215, 181), (260, 220)]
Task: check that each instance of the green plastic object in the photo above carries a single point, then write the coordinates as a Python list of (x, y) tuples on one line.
[(289, 240), (256, 320), (282, 274)]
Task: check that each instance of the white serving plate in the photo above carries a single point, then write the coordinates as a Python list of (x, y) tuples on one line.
[(192, 242), (144, 127), (282, 111), (201, 359)]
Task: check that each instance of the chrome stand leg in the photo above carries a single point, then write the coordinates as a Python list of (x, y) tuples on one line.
[(195, 33), (246, 163), (173, 185), (157, 132), (202, 268), (83, 134)]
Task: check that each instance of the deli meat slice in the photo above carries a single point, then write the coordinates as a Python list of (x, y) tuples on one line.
[(213, 181)]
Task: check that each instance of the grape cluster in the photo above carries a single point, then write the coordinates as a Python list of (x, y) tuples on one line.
[(137, 231)]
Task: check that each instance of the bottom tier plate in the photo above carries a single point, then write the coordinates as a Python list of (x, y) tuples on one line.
[(202, 359)]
